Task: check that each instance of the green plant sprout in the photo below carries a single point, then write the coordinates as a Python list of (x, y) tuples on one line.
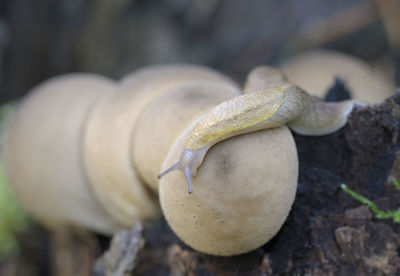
[(390, 214), (12, 218)]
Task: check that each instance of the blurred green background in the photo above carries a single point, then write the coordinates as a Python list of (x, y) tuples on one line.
[(12, 218)]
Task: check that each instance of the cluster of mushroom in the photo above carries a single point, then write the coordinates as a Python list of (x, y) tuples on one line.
[(85, 151)]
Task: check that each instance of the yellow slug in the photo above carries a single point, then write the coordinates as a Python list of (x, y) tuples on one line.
[(269, 104)]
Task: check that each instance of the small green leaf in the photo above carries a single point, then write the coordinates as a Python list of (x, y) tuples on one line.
[(396, 183), (390, 214)]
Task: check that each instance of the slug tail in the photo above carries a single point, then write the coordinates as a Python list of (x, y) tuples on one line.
[(323, 118)]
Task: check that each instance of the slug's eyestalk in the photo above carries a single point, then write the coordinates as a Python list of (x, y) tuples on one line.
[(188, 163)]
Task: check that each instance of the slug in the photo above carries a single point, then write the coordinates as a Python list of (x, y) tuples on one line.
[(270, 106)]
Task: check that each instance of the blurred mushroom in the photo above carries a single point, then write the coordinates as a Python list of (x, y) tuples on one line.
[(316, 71)]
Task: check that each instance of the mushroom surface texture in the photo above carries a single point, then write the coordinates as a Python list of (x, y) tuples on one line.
[(244, 192), (43, 152), (114, 129), (315, 72), (167, 116), (263, 77)]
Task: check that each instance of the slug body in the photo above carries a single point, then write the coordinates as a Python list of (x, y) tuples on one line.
[(269, 107)]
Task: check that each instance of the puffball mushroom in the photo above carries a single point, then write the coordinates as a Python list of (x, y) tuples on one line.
[(243, 193), (316, 70), (67, 152), (43, 152), (176, 109), (109, 147), (263, 77)]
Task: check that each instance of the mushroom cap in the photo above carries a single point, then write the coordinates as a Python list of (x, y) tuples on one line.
[(262, 77), (316, 71), (42, 152), (108, 140), (167, 116), (242, 193)]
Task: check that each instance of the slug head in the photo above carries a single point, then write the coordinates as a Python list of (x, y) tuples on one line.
[(189, 162)]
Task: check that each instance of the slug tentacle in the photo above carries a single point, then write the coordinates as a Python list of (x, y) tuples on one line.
[(188, 163), (170, 169)]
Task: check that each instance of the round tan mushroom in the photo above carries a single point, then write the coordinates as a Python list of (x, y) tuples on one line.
[(262, 77), (315, 72), (242, 195), (43, 152), (166, 117), (111, 128)]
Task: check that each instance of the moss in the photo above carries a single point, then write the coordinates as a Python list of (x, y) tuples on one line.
[(12, 218)]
